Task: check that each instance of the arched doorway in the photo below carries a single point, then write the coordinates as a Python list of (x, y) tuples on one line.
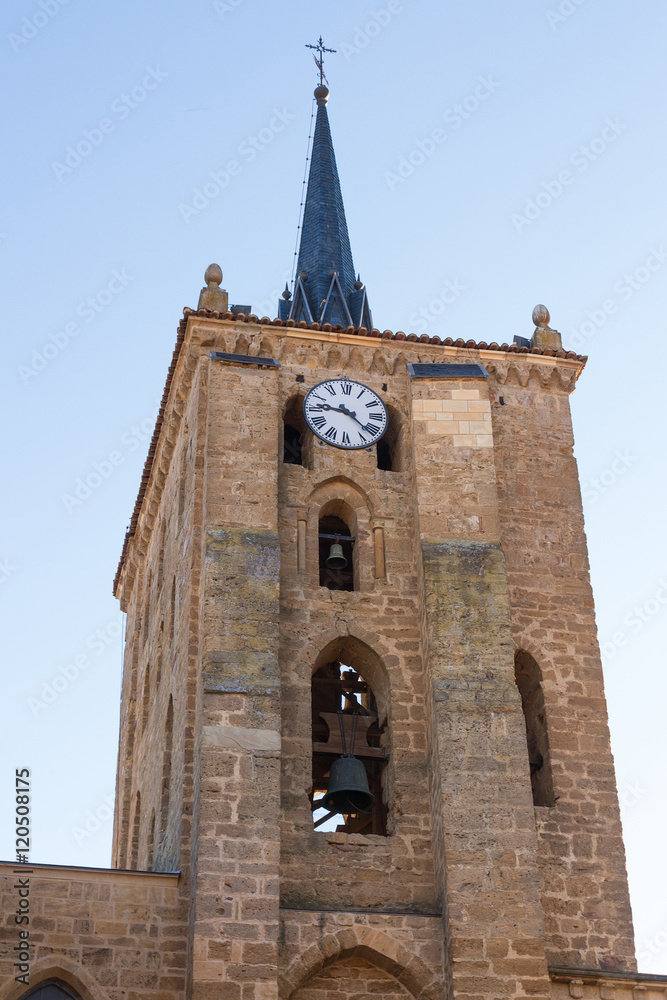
[(52, 990)]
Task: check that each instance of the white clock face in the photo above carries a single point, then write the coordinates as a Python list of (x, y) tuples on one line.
[(345, 414)]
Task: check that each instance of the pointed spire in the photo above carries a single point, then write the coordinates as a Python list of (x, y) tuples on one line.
[(325, 289)]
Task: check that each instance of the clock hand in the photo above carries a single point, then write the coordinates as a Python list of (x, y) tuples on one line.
[(337, 409), (351, 413), (342, 409)]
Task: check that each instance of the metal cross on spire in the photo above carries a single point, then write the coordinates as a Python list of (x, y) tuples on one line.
[(320, 49)]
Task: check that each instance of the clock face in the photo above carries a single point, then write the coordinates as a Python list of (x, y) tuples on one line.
[(345, 414)]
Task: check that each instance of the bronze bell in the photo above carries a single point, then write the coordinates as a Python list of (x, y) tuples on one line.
[(348, 790), (336, 559)]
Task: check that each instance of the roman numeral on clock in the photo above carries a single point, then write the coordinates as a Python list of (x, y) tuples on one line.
[(318, 421), (346, 388), (345, 439), (331, 434)]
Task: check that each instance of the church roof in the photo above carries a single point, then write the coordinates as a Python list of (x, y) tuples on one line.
[(325, 290)]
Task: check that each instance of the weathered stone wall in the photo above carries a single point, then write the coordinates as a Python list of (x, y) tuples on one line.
[(492, 889), (162, 613), (237, 893), (376, 630), (450, 559), (111, 935), (585, 892)]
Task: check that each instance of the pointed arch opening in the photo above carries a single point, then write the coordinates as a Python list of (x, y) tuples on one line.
[(146, 697), (147, 608), (136, 827), (166, 767), (338, 560), (389, 448), (182, 471), (356, 972), (294, 432), (529, 682), (150, 848), (371, 944), (52, 989), (349, 720)]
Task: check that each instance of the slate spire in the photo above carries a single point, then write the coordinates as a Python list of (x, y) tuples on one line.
[(325, 289)]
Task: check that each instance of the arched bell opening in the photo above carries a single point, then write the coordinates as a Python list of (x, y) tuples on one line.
[(294, 432), (529, 682), (349, 752), (389, 448), (338, 555)]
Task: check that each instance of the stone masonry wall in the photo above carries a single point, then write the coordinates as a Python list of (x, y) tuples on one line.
[(585, 892), (432, 628), (109, 935), (376, 630), (157, 668), (236, 909)]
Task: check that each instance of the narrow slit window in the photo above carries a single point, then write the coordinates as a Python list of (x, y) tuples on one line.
[(529, 681)]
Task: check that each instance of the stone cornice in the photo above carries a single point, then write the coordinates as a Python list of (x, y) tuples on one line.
[(578, 978), (74, 873), (506, 363)]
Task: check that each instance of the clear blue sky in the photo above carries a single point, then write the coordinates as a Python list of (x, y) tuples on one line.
[(512, 150)]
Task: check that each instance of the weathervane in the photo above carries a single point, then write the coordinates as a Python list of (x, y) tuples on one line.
[(320, 49)]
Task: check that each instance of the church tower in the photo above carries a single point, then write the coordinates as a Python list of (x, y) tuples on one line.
[(450, 635), (364, 746)]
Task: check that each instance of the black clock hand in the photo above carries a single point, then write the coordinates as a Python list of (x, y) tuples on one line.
[(351, 413), (342, 409)]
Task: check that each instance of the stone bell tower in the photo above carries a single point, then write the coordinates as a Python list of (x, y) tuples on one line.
[(397, 571)]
